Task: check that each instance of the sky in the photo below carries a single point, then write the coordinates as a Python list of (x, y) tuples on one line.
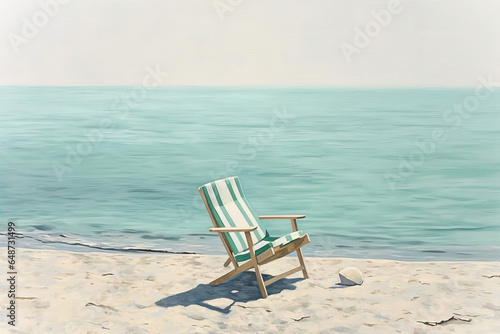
[(396, 43)]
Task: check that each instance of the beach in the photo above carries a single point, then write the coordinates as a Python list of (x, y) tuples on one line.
[(100, 196), (137, 135), (118, 292)]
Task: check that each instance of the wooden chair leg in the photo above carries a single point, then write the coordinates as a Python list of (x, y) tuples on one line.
[(260, 280), (228, 261), (299, 251), (255, 265), (232, 273), (301, 260)]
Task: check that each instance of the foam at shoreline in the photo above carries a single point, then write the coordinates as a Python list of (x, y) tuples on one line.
[(210, 244)]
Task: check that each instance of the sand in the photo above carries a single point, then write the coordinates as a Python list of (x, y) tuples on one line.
[(72, 292)]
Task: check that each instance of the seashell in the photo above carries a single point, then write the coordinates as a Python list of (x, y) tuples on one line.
[(351, 276)]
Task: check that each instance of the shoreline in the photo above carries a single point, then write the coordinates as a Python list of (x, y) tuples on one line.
[(210, 245), (99, 292)]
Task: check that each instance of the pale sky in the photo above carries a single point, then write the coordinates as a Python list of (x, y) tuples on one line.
[(258, 42)]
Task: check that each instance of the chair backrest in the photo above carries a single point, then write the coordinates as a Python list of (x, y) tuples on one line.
[(228, 207)]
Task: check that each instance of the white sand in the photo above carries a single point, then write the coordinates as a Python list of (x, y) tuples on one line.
[(66, 292)]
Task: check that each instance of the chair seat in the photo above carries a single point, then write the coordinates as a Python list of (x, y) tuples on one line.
[(269, 242)]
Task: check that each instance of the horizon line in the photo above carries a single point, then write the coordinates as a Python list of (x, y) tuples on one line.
[(248, 86)]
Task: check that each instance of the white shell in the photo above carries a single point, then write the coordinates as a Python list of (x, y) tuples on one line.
[(351, 276)]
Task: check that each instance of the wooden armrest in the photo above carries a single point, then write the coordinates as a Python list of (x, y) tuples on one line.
[(233, 229), (282, 217), (293, 219)]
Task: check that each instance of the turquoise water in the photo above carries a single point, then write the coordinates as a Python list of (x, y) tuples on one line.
[(389, 173)]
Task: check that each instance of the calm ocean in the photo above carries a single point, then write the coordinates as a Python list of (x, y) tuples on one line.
[(380, 173)]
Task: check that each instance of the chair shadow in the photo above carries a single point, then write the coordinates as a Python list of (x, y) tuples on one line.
[(242, 288)]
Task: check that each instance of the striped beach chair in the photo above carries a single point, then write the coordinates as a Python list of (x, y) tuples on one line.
[(246, 243)]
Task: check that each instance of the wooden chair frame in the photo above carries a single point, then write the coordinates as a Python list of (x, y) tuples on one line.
[(267, 256)]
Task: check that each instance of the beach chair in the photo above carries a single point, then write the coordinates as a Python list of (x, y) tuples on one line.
[(246, 243)]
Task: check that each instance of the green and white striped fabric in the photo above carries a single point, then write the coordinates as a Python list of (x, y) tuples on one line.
[(230, 208), (269, 242)]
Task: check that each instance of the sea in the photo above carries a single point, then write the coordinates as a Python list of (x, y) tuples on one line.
[(393, 173)]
